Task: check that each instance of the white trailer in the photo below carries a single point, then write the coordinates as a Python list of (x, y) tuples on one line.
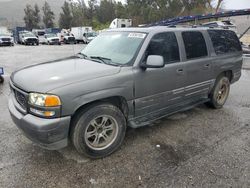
[(82, 34), (119, 23)]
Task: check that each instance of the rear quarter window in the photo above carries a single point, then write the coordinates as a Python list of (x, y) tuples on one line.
[(224, 41)]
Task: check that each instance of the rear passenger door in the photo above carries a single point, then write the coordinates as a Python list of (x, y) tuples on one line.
[(198, 65)]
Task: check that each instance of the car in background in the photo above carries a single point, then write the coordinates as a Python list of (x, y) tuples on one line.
[(246, 49), (88, 37), (68, 38), (225, 24), (52, 39), (40, 35), (6, 40), (28, 38)]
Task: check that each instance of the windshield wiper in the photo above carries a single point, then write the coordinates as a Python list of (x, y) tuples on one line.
[(105, 60), (82, 55)]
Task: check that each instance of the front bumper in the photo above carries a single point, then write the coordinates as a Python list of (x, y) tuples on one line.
[(51, 134)]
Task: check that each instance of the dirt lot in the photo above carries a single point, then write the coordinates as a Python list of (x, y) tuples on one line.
[(198, 148)]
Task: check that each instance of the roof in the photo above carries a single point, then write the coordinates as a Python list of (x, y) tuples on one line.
[(158, 29)]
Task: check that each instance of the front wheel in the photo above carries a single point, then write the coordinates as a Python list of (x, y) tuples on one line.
[(99, 130), (220, 92)]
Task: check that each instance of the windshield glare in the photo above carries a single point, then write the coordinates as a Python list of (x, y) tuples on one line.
[(29, 35), (51, 35), (91, 34), (120, 47)]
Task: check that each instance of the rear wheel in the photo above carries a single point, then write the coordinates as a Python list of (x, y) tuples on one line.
[(99, 130), (1, 79), (220, 92)]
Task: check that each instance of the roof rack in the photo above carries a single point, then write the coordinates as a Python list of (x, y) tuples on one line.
[(184, 19)]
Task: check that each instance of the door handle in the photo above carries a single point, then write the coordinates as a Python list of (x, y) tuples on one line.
[(180, 71), (206, 66)]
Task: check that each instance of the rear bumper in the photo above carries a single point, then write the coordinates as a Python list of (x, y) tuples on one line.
[(51, 134)]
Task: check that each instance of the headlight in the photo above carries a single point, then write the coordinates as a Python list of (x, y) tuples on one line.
[(44, 105), (44, 100)]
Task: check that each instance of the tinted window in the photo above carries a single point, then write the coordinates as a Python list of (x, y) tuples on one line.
[(164, 44), (195, 44), (224, 41)]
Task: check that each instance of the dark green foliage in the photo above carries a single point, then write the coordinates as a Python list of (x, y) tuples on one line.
[(48, 15), (32, 17)]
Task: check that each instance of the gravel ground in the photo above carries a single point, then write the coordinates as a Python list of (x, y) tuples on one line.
[(198, 148)]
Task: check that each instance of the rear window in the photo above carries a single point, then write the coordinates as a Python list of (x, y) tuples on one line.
[(195, 44), (224, 41)]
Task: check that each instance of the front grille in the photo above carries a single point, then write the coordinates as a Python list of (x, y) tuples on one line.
[(71, 38), (21, 99), (32, 40), (55, 40), (6, 39)]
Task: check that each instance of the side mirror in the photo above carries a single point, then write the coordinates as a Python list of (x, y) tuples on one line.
[(154, 61)]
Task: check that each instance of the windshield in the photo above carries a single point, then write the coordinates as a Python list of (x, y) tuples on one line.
[(29, 35), (91, 35), (4, 35), (119, 47), (51, 35)]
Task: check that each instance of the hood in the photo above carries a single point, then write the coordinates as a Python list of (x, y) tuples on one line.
[(29, 38), (91, 38), (51, 75), (5, 37), (51, 38)]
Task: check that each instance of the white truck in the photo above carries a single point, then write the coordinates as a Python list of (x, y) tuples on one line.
[(120, 23), (83, 34), (39, 33)]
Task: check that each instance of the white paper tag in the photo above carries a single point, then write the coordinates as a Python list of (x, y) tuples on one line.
[(137, 35)]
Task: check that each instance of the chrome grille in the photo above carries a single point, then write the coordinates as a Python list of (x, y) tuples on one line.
[(21, 99), (6, 39)]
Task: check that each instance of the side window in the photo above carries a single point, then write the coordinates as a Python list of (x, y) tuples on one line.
[(164, 44), (224, 41), (195, 44)]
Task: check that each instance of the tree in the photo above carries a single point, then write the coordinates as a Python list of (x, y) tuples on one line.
[(48, 15), (65, 20), (32, 17), (37, 17)]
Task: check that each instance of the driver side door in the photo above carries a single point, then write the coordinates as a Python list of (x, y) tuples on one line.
[(159, 89)]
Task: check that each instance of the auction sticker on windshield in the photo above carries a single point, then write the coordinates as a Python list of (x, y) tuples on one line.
[(137, 35)]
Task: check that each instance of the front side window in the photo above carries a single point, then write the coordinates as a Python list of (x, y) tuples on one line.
[(224, 41), (165, 45), (195, 44)]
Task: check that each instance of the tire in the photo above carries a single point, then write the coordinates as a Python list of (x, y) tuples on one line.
[(220, 92), (1, 79), (90, 121)]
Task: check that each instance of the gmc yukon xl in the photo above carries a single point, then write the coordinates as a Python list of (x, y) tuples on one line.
[(124, 77)]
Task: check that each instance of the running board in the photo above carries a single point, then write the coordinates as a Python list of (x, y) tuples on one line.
[(150, 118)]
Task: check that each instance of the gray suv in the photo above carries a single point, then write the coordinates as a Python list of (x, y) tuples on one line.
[(124, 77)]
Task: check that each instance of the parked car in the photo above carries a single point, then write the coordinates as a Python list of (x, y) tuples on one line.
[(28, 38), (120, 23), (225, 24), (40, 34), (81, 34), (246, 49), (68, 38), (52, 39), (124, 77), (88, 37), (16, 34), (6, 40)]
